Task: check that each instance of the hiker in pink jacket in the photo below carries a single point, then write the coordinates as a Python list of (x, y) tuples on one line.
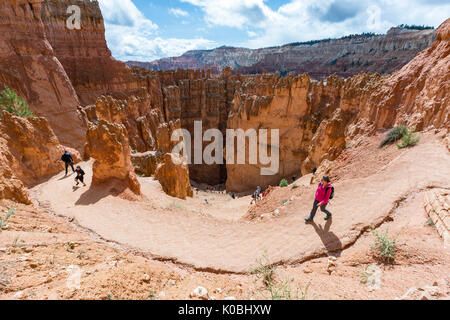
[(324, 194)]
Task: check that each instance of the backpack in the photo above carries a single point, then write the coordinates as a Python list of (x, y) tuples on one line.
[(332, 193)]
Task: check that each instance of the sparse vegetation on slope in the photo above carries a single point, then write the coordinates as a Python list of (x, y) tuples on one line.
[(277, 290), (386, 247), (14, 104), (394, 135), (4, 218), (408, 137), (284, 183)]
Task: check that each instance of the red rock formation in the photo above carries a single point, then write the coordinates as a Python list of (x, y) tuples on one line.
[(85, 54), (135, 113), (318, 120), (28, 65), (108, 145), (145, 164), (173, 174), (346, 57), (29, 153)]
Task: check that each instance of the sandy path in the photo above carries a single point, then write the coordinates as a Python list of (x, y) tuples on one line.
[(216, 244)]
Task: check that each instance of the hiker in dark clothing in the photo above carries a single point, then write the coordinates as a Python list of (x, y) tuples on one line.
[(323, 195), (68, 161), (80, 176)]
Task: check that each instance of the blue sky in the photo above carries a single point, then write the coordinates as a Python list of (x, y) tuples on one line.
[(145, 30)]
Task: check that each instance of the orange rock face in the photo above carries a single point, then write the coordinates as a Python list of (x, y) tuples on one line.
[(29, 66), (109, 146), (84, 53), (318, 120), (173, 174), (29, 153)]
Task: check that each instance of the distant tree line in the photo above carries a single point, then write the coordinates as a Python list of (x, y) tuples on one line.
[(313, 42), (414, 27)]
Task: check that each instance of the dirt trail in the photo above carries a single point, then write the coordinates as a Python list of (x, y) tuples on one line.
[(208, 243)]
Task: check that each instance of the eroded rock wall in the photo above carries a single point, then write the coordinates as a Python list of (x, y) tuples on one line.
[(29, 153), (28, 65), (84, 53), (108, 145), (317, 120)]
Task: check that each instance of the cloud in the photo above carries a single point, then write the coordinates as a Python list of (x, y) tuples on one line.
[(233, 13), (302, 20), (178, 12), (258, 23), (131, 36)]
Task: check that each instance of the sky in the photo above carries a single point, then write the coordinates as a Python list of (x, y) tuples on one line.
[(146, 30)]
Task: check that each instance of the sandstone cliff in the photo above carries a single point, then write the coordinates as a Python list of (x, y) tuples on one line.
[(317, 120), (28, 65), (29, 153), (84, 53), (346, 57), (173, 174), (108, 145)]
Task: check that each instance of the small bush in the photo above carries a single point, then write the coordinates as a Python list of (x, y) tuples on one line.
[(386, 247), (14, 104), (264, 271), (284, 183), (5, 216), (409, 139), (394, 135), (277, 290)]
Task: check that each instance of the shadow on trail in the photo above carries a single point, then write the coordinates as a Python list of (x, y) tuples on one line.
[(66, 177), (331, 241), (96, 193)]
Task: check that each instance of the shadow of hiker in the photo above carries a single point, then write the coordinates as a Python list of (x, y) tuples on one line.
[(66, 177), (75, 188), (96, 193), (331, 241)]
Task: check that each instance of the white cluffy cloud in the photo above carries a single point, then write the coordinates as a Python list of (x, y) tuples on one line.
[(131, 36), (300, 20)]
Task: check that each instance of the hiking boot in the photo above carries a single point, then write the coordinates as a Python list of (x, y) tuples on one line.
[(308, 220), (327, 218)]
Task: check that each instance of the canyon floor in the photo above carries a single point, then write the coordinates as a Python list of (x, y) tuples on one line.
[(164, 248)]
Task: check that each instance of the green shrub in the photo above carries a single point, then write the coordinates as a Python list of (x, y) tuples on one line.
[(284, 183), (386, 247), (394, 135), (264, 270), (4, 218), (277, 290), (409, 139), (14, 104)]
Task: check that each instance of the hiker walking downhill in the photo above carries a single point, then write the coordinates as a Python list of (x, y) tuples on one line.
[(324, 194), (68, 161), (80, 176)]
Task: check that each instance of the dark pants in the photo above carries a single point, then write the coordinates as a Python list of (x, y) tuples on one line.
[(80, 179), (67, 167), (322, 208)]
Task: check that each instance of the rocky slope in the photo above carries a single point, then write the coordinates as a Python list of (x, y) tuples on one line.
[(317, 120), (54, 67), (28, 65), (29, 151), (347, 56), (84, 53)]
